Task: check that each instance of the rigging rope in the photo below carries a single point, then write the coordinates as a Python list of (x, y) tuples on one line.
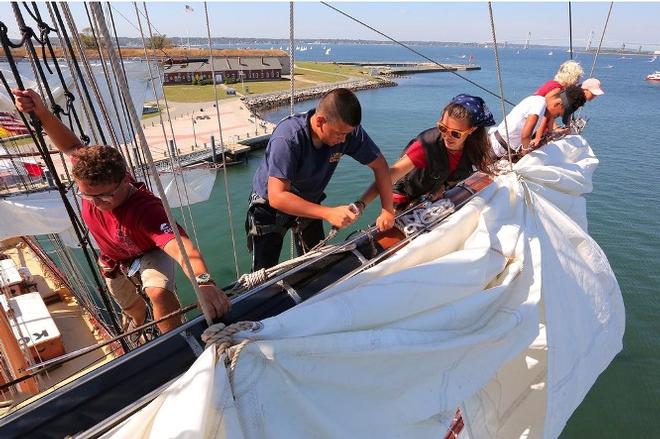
[(172, 151), (600, 43), (111, 92), (90, 74), (291, 77), (291, 60), (570, 29), (222, 143), (92, 78), (83, 103), (499, 81), (96, 10), (70, 56), (129, 124), (416, 52)]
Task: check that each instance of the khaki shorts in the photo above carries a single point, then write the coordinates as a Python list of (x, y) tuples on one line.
[(157, 270)]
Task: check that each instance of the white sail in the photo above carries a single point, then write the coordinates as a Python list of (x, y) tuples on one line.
[(508, 311), (43, 213)]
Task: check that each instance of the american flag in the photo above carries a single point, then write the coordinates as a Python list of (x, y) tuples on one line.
[(189, 9)]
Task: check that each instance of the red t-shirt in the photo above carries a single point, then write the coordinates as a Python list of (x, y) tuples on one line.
[(138, 225), (547, 88), (417, 156)]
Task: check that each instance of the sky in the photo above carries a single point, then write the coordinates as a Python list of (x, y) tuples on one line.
[(631, 23)]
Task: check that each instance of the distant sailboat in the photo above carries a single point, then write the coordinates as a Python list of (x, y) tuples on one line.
[(327, 51), (551, 53), (517, 52), (653, 58)]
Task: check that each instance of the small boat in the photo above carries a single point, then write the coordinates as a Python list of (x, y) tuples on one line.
[(609, 66), (653, 58), (327, 51), (551, 53), (654, 77)]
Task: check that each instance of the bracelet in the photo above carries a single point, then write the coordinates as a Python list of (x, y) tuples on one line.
[(360, 205)]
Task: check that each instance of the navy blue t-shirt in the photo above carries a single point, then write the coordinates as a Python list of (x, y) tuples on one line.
[(291, 155)]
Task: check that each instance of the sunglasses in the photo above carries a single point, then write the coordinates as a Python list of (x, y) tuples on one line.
[(456, 134), (105, 198)]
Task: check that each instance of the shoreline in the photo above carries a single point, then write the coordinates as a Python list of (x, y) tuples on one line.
[(270, 101)]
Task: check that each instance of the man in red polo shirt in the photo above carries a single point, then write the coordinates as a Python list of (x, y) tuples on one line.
[(128, 222)]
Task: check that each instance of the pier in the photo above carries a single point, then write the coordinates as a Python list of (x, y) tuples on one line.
[(395, 68), (273, 100), (235, 153)]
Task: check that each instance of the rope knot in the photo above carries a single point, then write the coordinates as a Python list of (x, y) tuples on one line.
[(221, 336)]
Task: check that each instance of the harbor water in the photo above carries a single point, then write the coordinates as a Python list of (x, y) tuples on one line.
[(623, 210)]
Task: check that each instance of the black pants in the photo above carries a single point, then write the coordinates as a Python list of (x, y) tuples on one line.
[(266, 228)]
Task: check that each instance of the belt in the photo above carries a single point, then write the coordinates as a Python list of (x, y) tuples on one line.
[(505, 145), (501, 140)]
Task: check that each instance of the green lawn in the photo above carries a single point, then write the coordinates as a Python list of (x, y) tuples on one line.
[(11, 143), (311, 75), (329, 67), (308, 74), (259, 87), (193, 93)]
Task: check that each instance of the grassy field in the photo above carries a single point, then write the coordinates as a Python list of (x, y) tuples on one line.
[(193, 93), (307, 74), (13, 143), (259, 87), (328, 67)]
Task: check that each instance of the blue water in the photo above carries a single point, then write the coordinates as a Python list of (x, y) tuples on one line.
[(624, 131)]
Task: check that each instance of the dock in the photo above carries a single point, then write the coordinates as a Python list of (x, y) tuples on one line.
[(394, 68), (235, 153)]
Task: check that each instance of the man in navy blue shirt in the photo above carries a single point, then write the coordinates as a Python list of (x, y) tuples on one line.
[(300, 158)]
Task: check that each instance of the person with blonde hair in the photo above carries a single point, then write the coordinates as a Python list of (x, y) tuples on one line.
[(569, 73)]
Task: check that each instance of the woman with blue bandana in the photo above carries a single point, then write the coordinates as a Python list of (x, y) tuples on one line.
[(441, 156)]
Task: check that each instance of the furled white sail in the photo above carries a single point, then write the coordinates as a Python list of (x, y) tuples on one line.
[(508, 310)]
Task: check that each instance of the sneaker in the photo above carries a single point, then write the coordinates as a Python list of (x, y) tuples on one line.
[(128, 325)]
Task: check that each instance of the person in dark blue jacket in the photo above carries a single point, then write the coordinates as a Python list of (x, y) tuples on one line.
[(300, 159)]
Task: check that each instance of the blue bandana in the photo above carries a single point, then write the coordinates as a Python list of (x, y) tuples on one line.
[(480, 115)]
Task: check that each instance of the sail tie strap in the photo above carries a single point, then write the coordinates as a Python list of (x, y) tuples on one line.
[(221, 336)]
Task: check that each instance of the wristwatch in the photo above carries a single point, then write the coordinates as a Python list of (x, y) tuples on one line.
[(360, 206), (204, 279)]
